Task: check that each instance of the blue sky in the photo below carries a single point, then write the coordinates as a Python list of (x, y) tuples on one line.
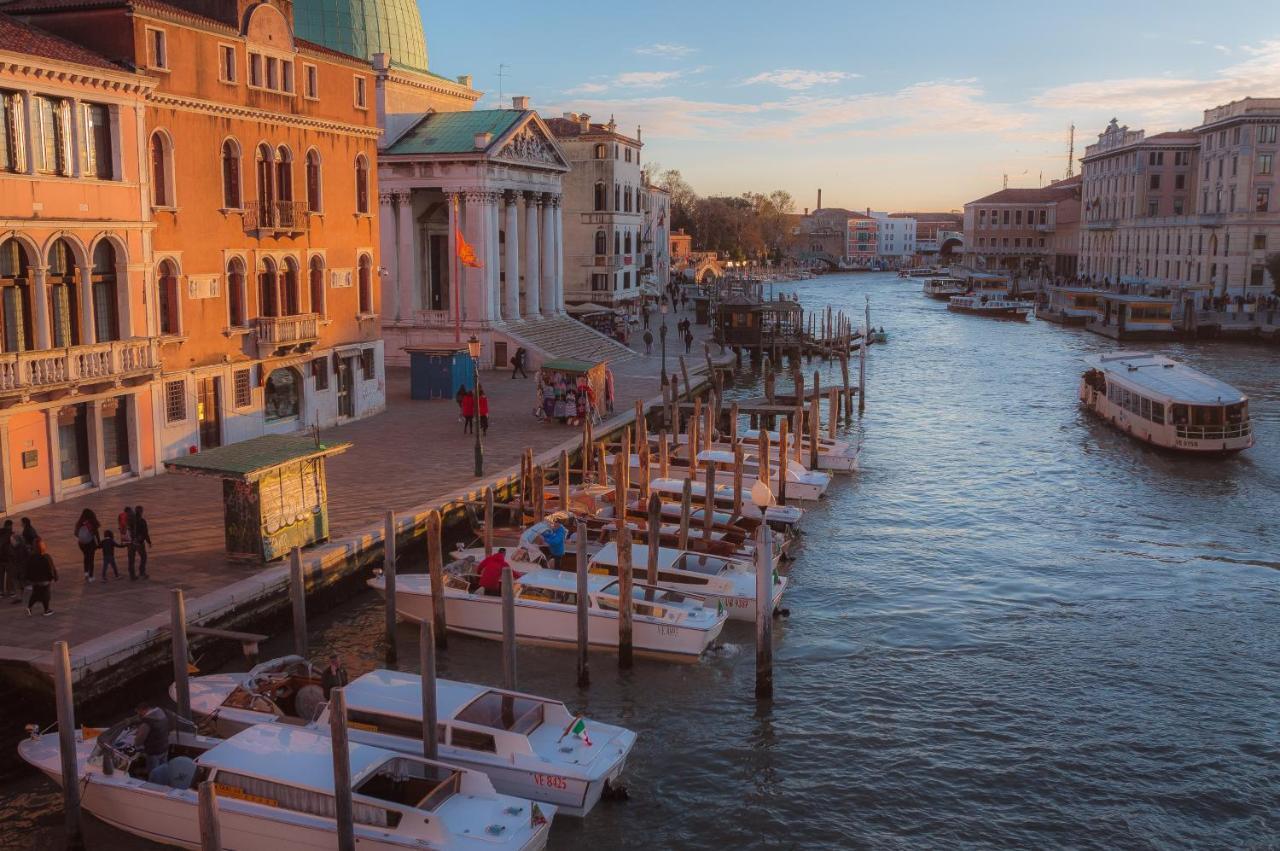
[(920, 105)]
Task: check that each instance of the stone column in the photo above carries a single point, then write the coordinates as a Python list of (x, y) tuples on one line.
[(387, 244), (549, 248), (532, 256), (493, 259), (88, 329), (453, 300), (558, 256), (406, 257), (40, 295), (97, 453), (511, 307), (473, 306)]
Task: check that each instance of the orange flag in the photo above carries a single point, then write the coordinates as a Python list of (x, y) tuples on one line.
[(466, 254)]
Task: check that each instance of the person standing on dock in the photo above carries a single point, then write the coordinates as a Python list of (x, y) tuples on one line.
[(688, 340), (468, 412), (333, 676), (41, 573), (141, 539), (648, 340), (109, 546), (482, 411), (88, 538)]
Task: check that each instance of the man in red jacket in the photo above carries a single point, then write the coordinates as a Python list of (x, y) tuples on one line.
[(483, 411), (468, 411), (491, 573)]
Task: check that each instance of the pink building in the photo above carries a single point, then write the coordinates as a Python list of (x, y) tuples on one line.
[(862, 237)]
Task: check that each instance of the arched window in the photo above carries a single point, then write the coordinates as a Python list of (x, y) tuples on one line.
[(601, 198), (15, 297), (316, 279), (626, 243), (601, 152), (617, 198), (284, 174), (230, 175), (617, 242), (105, 305), (362, 184), (236, 315), (602, 242), (365, 275), (167, 297), (266, 176), (63, 284), (313, 181), (291, 305), (282, 395), (161, 170), (268, 295)]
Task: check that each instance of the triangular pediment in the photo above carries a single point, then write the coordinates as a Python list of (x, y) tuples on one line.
[(529, 142)]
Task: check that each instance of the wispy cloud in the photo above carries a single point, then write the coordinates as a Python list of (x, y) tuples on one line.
[(588, 89), (798, 79), (674, 51), (645, 79)]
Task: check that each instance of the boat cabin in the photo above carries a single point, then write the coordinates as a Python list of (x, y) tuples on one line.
[(1070, 305), (1126, 316)]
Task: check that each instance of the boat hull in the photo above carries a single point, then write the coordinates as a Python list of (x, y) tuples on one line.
[(1017, 314), (1164, 436)]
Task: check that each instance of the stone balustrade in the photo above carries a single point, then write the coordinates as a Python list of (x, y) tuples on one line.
[(49, 368)]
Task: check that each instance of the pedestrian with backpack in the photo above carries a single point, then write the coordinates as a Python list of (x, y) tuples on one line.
[(141, 539), (518, 361), (88, 539), (648, 341)]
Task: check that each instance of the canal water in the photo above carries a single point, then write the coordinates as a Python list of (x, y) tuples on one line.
[(1014, 628)]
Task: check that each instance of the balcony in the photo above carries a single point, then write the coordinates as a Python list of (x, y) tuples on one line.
[(57, 371), (276, 218), (608, 261), (1046, 228), (277, 335), (1100, 224)]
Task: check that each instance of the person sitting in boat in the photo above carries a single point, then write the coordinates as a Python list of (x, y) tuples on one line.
[(152, 735), (553, 537), (491, 573)]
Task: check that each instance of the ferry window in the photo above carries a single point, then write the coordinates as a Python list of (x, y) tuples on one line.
[(473, 740), (1157, 413), (1146, 408), (1179, 414)]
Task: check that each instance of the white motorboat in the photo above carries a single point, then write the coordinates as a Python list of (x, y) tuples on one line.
[(1166, 403), (995, 307), (275, 791), (757, 502), (944, 288), (516, 739), (834, 455), (664, 623), (802, 484)]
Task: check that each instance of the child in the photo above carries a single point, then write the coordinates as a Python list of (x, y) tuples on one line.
[(109, 545)]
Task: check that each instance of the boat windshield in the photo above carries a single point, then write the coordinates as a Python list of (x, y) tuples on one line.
[(699, 563), (410, 783), (646, 600), (499, 711)]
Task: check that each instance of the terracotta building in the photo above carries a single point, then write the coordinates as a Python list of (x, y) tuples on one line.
[(262, 256), (1026, 232), (77, 351)]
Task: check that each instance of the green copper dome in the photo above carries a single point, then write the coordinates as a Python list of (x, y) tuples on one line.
[(365, 27)]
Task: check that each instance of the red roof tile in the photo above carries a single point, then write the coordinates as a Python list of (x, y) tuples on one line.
[(563, 128), (18, 37)]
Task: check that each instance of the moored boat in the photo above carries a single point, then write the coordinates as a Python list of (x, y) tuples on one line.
[(944, 288), (1166, 403), (995, 307)]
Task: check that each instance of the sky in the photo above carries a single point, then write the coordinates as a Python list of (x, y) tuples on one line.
[(894, 106)]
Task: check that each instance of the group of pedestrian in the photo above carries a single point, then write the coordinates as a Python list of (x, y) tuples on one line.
[(26, 568), (471, 406), (685, 329), (132, 534)]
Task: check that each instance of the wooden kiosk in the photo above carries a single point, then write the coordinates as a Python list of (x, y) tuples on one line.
[(274, 494)]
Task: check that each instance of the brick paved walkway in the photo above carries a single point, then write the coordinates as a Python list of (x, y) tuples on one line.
[(406, 457)]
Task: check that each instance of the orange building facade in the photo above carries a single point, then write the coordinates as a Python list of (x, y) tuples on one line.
[(257, 280)]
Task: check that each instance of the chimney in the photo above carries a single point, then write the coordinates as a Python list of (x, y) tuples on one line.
[(806, 212), (520, 102), (819, 207), (482, 140), (584, 122), (464, 80), (639, 135), (868, 212)]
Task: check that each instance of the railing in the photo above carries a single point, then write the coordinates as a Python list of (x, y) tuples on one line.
[(276, 216), (436, 318), (278, 331), (51, 367), (1101, 224), (1227, 432)]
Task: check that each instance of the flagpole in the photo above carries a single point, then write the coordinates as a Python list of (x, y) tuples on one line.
[(457, 264)]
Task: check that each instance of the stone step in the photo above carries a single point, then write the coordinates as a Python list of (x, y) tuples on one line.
[(565, 337)]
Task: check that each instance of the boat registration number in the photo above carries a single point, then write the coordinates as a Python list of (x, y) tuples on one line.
[(550, 781), (1186, 444), (737, 603), (667, 630)]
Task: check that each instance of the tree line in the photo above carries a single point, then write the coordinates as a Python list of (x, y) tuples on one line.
[(750, 226)]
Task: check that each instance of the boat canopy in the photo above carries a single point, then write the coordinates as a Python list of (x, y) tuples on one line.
[(1167, 378), (290, 755), (397, 693)]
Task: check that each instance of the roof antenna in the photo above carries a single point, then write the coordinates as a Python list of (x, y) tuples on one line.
[(1071, 153), (502, 67)]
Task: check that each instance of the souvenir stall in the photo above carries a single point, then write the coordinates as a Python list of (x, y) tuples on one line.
[(569, 390)]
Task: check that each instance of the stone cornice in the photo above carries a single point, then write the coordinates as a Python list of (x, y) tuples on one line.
[(70, 73), (439, 85), (240, 111)]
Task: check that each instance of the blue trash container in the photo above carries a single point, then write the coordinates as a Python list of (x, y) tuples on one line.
[(437, 373)]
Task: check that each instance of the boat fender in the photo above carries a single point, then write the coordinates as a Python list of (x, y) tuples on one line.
[(615, 792), (781, 613)]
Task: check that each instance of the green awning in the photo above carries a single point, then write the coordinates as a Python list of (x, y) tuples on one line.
[(248, 458), (570, 365)]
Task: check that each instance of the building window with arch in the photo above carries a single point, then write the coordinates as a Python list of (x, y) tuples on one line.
[(315, 276), (617, 198), (313, 181), (626, 242), (265, 167), (167, 297), (282, 395), (62, 280), (601, 152), (364, 276), (362, 184), (617, 242), (601, 198), (231, 175), (99, 158), (284, 174), (237, 317), (602, 242), (161, 170), (290, 297), (53, 151), (268, 295), (106, 319), (15, 297)]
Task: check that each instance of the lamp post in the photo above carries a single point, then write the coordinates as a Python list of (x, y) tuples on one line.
[(473, 348), (662, 335)]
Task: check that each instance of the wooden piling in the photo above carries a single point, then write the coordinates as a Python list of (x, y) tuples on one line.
[(522, 488), (688, 386), (210, 831), (602, 464), (655, 538), (539, 493), (694, 442), (65, 700), (298, 596), (586, 449), (686, 509), (733, 424), (770, 385), (389, 577), (435, 567), (708, 423), (620, 464), (427, 661), (862, 358), (488, 521), (584, 671), (178, 631), (763, 451), (508, 629), (564, 480), (833, 412), (784, 457), (737, 478), (344, 812), (664, 456), (708, 519), (626, 581), (764, 612), (844, 374)]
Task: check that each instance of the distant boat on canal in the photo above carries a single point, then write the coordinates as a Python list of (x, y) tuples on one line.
[(992, 306), (1166, 403)]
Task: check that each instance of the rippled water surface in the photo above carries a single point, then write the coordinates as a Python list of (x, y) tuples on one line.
[(1015, 627)]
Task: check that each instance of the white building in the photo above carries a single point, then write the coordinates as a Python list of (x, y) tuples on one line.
[(655, 238), (896, 240)]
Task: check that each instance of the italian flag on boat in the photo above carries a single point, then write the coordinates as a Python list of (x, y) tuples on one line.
[(578, 727)]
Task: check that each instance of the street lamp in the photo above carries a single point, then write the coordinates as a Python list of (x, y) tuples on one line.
[(662, 335), (473, 348)]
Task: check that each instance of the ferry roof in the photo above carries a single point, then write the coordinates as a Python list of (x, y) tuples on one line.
[(1075, 289), (291, 755), (1135, 298), (400, 694), (1166, 377)]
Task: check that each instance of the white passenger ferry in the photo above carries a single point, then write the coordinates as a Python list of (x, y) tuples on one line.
[(995, 307), (1166, 403), (944, 288)]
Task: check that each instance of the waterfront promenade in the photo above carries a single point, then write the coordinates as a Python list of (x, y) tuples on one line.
[(411, 457)]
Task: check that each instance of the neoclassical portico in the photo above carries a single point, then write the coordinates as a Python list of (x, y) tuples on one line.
[(495, 177)]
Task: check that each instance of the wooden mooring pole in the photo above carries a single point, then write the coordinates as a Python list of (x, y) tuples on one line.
[(435, 567), (833, 412), (65, 699), (389, 577), (584, 624), (488, 521), (708, 519), (178, 630), (784, 458), (862, 359), (564, 480), (625, 582), (655, 538), (508, 630), (298, 596), (686, 508), (343, 809), (764, 612), (210, 831), (427, 660)]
